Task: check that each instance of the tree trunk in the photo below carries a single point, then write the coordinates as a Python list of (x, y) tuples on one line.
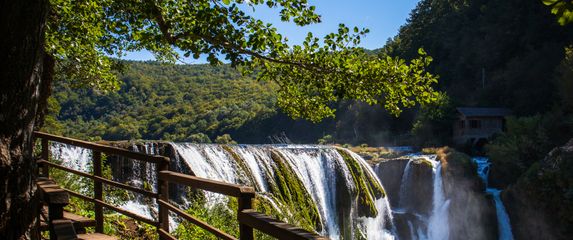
[(22, 25)]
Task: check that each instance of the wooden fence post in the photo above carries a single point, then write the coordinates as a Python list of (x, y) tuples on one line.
[(245, 202), (98, 192), (45, 156), (163, 192)]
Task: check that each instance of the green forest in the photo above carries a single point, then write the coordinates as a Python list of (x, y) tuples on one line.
[(486, 53)]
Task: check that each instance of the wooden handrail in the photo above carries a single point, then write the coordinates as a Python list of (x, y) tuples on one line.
[(275, 228), (114, 208), (247, 217), (100, 179), (196, 221), (102, 148), (228, 189)]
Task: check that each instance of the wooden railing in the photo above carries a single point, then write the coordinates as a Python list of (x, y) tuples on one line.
[(247, 217)]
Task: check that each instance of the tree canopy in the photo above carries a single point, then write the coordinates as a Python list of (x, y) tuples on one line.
[(84, 35), (563, 9)]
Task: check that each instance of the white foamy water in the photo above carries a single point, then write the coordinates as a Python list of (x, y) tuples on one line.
[(403, 194), (318, 168), (318, 176), (503, 222), (256, 159), (71, 156), (427, 226), (438, 226)]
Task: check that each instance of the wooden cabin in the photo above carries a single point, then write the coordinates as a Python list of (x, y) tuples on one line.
[(474, 126)]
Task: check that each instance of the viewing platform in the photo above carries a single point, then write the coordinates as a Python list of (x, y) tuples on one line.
[(66, 225)]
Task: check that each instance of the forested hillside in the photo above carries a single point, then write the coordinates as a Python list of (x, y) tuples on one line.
[(169, 102), (488, 53), (513, 46), (200, 103)]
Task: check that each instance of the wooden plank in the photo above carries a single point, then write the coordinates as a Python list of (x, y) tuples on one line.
[(62, 229), (79, 221), (101, 179), (207, 184), (95, 236), (102, 148), (275, 228), (165, 235), (196, 221)]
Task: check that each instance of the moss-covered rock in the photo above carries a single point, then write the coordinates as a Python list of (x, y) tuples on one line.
[(540, 204), (367, 189), (290, 192), (246, 176)]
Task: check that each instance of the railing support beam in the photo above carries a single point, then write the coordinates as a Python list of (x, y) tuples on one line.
[(45, 156), (98, 192), (163, 191), (245, 231)]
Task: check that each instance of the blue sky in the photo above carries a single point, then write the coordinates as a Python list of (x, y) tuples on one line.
[(382, 17)]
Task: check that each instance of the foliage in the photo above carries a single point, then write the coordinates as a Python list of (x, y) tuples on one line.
[(199, 138), (432, 126), (220, 216), (563, 9), (367, 188), (487, 53), (169, 102), (326, 139), (526, 141), (225, 139), (290, 191), (82, 35), (564, 80)]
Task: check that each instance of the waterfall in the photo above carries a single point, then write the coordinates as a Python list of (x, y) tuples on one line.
[(403, 185), (415, 220), (71, 156), (503, 223), (323, 173), (318, 168), (438, 226)]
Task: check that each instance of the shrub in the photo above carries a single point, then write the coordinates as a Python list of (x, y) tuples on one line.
[(225, 139)]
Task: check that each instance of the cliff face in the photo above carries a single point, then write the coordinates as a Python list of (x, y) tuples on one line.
[(471, 213), (540, 204), (408, 184)]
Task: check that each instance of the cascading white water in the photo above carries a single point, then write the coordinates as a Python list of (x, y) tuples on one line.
[(404, 185), (316, 173), (318, 168), (503, 222), (72, 157), (421, 225), (438, 226), (315, 166)]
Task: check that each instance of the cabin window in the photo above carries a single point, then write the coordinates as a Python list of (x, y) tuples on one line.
[(475, 124)]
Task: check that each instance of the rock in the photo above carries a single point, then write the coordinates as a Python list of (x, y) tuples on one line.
[(540, 204), (471, 213), (390, 173)]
